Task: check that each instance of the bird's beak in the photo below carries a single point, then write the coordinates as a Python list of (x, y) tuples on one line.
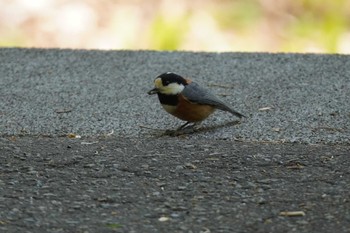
[(153, 91)]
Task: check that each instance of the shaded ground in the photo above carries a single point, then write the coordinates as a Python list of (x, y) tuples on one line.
[(171, 185)]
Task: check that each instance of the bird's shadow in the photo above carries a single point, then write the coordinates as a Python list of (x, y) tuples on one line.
[(193, 130)]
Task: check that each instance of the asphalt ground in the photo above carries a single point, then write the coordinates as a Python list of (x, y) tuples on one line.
[(83, 148), (287, 97), (186, 185)]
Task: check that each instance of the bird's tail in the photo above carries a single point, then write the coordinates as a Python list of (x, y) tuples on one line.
[(236, 113), (224, 107)]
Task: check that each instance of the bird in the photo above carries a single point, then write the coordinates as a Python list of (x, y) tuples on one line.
[(186, 99)]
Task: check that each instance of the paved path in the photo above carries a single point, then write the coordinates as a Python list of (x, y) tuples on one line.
[(289, 157)]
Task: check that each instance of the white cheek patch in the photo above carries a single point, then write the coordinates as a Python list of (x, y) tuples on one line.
[(173, 89)]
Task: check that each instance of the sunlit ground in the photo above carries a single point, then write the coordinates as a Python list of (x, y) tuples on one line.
[(196, 25)]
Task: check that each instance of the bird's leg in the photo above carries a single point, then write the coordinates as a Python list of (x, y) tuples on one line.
[(189, 129), (183, 129), (196, 126), (183, 126)]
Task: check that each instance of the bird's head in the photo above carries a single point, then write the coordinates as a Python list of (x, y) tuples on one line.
[(168, 84)]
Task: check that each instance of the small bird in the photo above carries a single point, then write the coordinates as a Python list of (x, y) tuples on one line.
[(186, 99)]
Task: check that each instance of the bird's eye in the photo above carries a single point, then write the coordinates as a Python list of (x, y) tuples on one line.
[(167, 82)]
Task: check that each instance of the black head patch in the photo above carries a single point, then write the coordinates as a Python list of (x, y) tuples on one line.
[(169, 77)]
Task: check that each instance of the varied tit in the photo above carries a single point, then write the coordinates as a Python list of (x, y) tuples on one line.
[(186, 99)]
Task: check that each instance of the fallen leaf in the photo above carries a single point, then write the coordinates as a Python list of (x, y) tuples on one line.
[(163, 219), (276, 129), (265, 108), (64, 110), (292, 213), (72, 135)]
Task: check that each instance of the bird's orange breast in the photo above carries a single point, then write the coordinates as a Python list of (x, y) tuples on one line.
[(192, 112)]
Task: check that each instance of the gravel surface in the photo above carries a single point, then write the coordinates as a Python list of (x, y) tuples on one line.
[(165, 185), (287, 97)]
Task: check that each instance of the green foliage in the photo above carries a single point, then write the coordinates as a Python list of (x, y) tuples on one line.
[(13, 39), (167, 34), (237, 14), (319, 24), (286, 26)]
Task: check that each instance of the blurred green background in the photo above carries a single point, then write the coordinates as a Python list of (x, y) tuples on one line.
[(197, 25)]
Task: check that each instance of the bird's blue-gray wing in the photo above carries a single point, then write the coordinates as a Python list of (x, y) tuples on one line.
[(197, 94)]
